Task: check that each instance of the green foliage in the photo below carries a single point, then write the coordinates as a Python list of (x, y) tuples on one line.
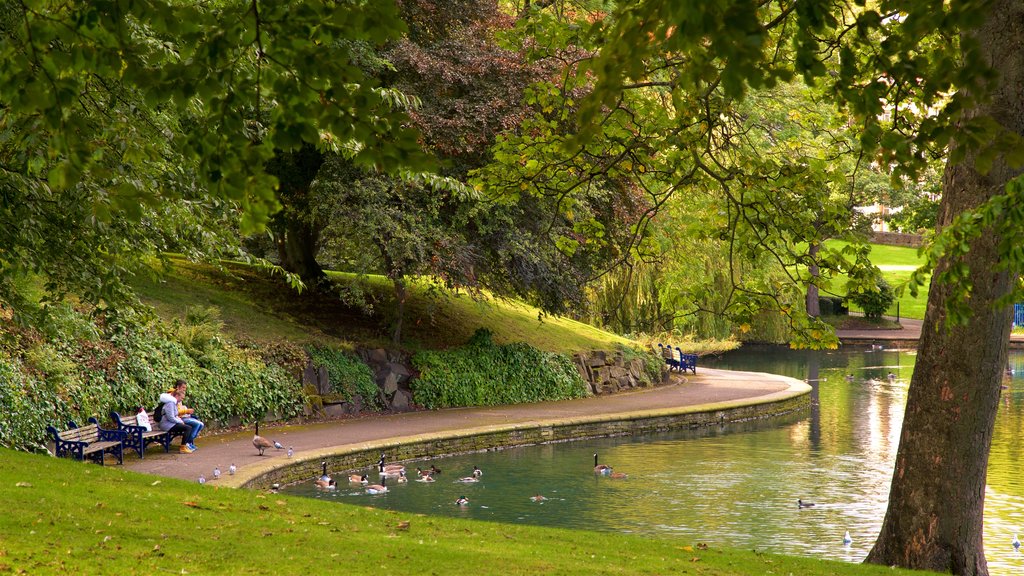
[(920, 214), (486, 374), (66, 378), (349, 375), (874, 302)]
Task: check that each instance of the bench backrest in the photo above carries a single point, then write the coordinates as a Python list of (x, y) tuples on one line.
[(133, 420), (88, 433)]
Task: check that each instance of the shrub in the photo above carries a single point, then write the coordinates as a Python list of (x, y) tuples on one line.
[(349, 375), (485, 374), (874, 303)]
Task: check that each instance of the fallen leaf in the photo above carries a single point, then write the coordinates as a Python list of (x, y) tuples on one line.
[(191, 504), (156, 482), (262, 507), (688, 548), (23, 485), (694, 559)]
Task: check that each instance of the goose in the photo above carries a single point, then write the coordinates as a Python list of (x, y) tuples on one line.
[(326, 484), (801, 504), (402, 478), (389, 469), (1016, 543), (323, 472), (601, 468), (847, 540), (378, 488), (357, 479), (260, 442)]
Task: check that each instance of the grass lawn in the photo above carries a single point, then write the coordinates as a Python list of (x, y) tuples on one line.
[(896, 263), (256, 307), (65, 517)]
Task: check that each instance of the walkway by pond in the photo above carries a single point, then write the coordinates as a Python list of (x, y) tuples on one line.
[(709, 389)]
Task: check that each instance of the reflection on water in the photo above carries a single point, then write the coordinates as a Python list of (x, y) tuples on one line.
[(736, 485)]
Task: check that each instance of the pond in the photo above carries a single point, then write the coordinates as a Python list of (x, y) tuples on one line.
[(735, 485)]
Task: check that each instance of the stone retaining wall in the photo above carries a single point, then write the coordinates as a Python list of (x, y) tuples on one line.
[(897, 239), (611, 372), (460, 442)]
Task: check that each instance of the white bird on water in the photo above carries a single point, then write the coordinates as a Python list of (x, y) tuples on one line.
[(1016, 543), (847, 540)]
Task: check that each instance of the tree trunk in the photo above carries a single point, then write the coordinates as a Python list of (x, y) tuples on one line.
[(813, 304), (295, 229), (934, 518)]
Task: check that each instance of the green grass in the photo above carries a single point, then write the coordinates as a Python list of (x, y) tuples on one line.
[(65, 517), (897, 263), (256, 307)]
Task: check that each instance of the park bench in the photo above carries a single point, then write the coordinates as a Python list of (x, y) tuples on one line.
[(88, 441), (136, 437), (668, 356), (687, 361)]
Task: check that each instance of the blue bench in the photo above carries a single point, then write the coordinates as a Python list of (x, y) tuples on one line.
[(136, 437), (91, 441), (677, 360)]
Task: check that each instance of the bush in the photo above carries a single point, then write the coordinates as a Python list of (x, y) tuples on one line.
[(874, 303), (119, 367), (485, 374), (349, 375)]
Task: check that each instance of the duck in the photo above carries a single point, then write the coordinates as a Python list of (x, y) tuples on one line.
[(801, 504), (538, 498), (423, 473), (477, 472), (601, 468), (849, 377), (260, 442), (847, 541), (468, 479), (389, 469), (427, 478), (434, 469), (462, 501), (402, 478), (358, 479), (378, 488)]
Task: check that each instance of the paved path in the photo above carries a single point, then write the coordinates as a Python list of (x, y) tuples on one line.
[(910, 333), (710, 389)]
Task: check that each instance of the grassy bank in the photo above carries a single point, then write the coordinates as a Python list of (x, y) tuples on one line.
[(253, 306), (66, 517)]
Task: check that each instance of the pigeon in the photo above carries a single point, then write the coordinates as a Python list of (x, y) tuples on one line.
[(278, 445), (291, 452), (232, 469), (202, 479), (216, 473)]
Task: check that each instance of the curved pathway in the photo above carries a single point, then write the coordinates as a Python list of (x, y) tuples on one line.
[(708, 390)]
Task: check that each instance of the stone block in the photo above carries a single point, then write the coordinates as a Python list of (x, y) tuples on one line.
[(377, 356)]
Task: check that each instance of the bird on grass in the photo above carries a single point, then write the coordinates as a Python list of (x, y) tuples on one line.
[(801, 504), (260, 442), (378, 488), (601, 468), (847, 541), (202, 479)]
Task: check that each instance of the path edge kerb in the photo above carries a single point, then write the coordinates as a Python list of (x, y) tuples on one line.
[(359, 455)]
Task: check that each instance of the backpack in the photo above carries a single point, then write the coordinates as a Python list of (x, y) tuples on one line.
[(158, 412)]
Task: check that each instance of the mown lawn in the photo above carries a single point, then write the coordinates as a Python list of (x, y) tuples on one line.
[(897, 263), (65, 517)]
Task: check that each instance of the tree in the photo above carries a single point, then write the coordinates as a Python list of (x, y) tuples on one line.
[(115, 116), (957, 63)]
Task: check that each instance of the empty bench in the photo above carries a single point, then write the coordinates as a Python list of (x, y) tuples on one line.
[(90, 441), (136, 437)]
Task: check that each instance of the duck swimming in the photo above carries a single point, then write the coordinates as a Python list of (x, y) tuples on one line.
[(801, 504)]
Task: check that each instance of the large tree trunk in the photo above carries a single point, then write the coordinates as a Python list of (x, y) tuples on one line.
[(934, 518), (296, 230)]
